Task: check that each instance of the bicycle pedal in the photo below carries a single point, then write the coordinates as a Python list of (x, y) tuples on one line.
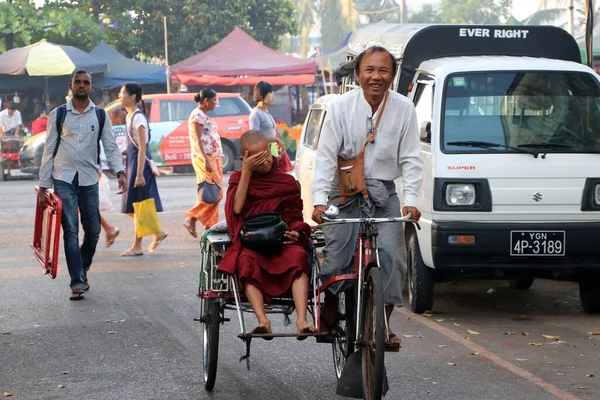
[(325, 338), (392, 347)]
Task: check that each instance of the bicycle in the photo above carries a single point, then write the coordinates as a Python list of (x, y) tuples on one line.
[(361, 333)]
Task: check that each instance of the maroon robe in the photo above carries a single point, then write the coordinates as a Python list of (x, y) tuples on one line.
[(274, 274)]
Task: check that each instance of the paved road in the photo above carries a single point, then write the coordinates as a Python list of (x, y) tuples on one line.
[(134, 336)]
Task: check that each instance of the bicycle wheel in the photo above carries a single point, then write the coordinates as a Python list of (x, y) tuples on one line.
[(373, 337), (212, 319), (343, 344)]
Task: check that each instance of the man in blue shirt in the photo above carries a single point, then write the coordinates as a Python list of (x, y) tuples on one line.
[(70, 165)]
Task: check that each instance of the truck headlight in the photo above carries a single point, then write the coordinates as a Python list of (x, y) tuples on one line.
[(463, 194), (597, 194)]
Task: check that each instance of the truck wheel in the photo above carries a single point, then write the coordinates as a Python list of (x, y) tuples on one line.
[(228, 158), (521, 283), (589, 293), (420, 279)]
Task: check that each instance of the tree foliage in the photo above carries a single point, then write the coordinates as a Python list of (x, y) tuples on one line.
[(21, 24), (464, 12), (194, 26), (135, 27), (338, 18)]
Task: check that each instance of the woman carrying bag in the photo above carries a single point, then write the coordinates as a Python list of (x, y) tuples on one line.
[(207, 160), (142, 201)]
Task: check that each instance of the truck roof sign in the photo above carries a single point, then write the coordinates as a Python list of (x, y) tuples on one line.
[(439, 41)]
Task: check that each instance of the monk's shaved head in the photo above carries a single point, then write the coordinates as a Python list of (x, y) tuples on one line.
[(253, 140)]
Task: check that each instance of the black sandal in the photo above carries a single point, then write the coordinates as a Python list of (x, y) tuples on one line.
[(77, 294)]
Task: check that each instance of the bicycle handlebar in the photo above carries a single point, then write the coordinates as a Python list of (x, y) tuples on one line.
[(368, 220)]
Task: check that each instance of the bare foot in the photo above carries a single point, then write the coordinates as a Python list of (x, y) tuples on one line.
[(262, 328), (304, 327), (157, 239), (393, 338), (110, 237)]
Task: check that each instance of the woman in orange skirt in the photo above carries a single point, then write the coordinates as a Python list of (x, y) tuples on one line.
[(207, 160)]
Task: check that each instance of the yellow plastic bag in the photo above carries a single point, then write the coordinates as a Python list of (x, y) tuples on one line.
[(146, 218)]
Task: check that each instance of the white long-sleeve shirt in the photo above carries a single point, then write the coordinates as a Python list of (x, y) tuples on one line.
[(396, 151), (78, 149)]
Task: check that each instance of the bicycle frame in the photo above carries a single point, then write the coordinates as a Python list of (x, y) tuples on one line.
[(366, 252)]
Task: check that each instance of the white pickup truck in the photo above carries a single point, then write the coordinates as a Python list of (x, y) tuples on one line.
[(510, 131)]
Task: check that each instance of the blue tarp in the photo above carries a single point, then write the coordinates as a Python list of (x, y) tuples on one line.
[(332, 58), (122, 69)]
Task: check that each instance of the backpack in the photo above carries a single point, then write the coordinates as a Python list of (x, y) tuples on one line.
[(61, 115)]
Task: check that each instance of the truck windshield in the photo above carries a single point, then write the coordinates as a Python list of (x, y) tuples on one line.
[(553, 112)]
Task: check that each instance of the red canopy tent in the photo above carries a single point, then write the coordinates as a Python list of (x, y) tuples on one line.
[(239, 59)]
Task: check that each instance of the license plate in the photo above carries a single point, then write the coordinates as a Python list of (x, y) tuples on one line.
[(537, 243)]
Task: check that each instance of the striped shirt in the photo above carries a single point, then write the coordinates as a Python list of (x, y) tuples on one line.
[(78, 150)]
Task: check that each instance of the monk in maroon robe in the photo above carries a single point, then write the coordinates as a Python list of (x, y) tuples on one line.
[(262, 186)]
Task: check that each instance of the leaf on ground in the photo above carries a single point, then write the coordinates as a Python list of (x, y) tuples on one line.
[(594, 333), (521, 359), (582, 387), (426, 379), (525, 333), (111, 332), (472, 332), (441, 346), (590, 375), (439, 320), (536, 344), (451, 364), (508, 333), (29, 344), (474, 353), (409, 336), (61, 386), (551, 337), (7, 394), (65, 372), (455, 324), (428, 314), (467, 338)]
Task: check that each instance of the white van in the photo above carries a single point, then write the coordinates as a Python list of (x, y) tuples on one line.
[(510, 130)]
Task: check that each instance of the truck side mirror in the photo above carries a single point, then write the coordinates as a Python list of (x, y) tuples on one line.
[(425, 131)]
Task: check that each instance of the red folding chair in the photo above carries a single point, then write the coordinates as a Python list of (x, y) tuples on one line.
[(46, 233)]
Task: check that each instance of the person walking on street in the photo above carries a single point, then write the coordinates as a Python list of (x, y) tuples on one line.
[(142, 182), (261, 119), (380, 125), (207, 160), (70, 164)]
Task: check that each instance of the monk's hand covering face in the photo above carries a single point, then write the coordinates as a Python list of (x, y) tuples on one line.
[(258, 162), (291, 236)]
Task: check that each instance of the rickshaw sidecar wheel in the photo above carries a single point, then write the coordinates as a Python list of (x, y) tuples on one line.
[(212, 319)]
